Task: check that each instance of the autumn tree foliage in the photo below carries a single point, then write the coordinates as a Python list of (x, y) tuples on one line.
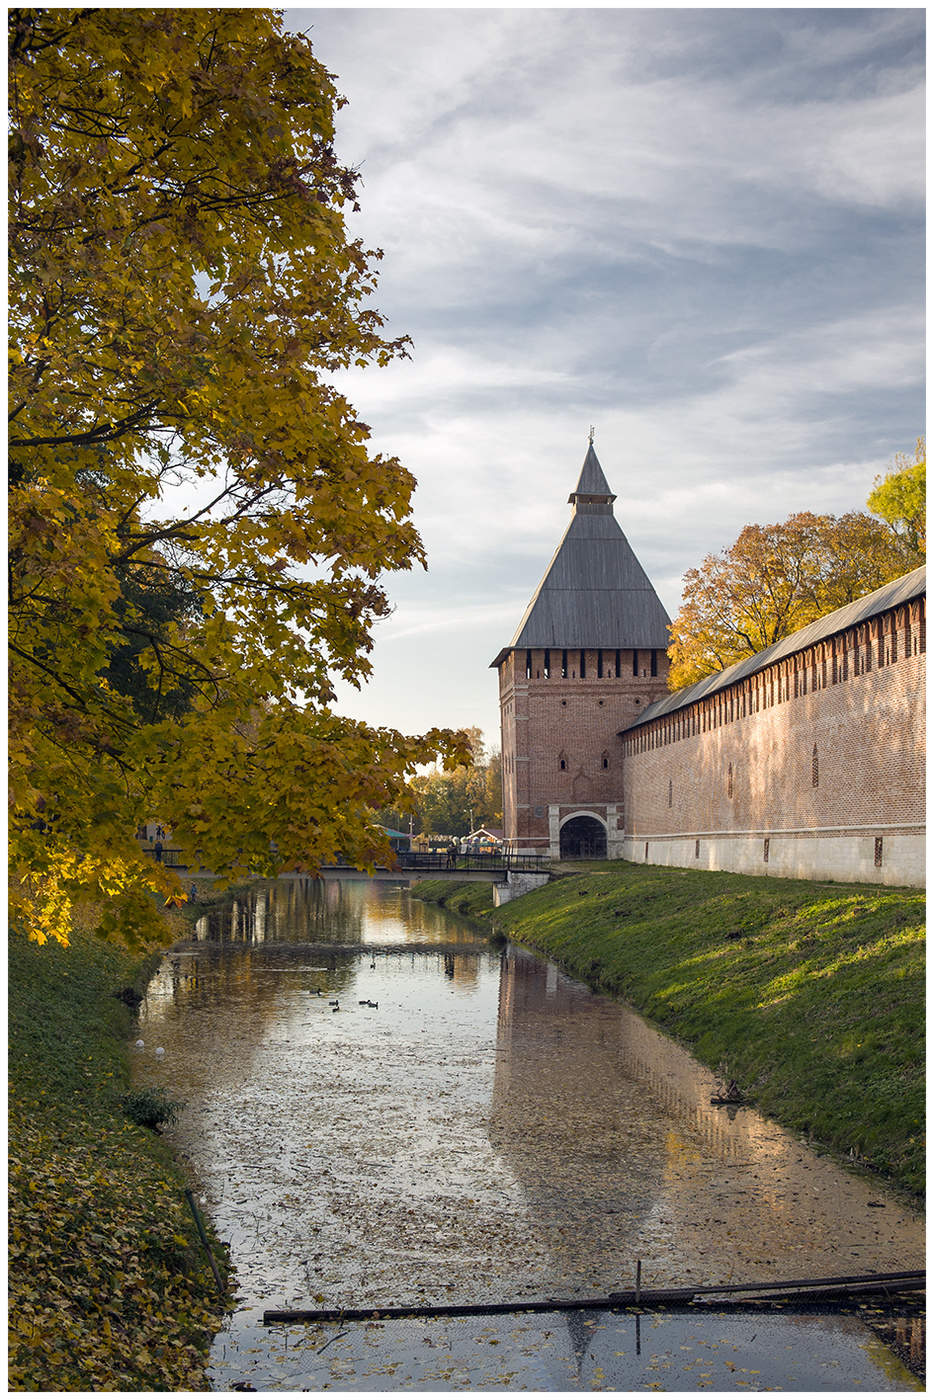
[(456, 802), (900, 498), (453, 801), (198, 527), (773, 580)]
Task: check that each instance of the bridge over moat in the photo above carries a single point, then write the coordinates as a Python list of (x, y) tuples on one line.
[(493, 866)]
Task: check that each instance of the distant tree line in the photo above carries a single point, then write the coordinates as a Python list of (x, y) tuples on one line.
[(456, 802)]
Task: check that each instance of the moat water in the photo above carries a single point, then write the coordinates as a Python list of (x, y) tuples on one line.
[(489, 1130)]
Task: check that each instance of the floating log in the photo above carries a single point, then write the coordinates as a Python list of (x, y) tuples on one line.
[(795, 1287), (429, 1310), (704, 1295)]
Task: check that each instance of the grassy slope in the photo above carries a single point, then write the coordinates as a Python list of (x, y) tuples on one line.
[(109, 1288), (809, 994)]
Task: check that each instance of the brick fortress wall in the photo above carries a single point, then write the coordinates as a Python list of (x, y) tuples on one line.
[(561, 712), (812, 767)]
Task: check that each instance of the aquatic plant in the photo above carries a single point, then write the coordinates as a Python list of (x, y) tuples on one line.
[(151, 1108)]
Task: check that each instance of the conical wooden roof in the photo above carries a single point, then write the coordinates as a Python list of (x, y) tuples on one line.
[(595, 593), (592, 485)]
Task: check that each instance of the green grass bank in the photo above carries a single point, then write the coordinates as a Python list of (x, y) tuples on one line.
[(809, 994), (109, 1286)]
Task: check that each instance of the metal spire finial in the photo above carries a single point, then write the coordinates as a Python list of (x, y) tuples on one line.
[(592, 431)]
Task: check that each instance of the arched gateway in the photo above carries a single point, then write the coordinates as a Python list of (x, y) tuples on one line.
[(583, 838)]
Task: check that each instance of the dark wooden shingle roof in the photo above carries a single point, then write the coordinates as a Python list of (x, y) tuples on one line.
[(592, 484), (595, 593)]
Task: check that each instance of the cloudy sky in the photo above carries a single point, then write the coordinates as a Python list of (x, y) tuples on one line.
[(699, 230)]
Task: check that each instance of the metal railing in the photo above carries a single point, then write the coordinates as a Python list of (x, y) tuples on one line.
[(169, 856), (514, 861), (418, 860), (470, 860)]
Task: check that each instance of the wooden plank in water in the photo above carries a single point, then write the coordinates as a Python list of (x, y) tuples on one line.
[(429, 1310), (905, 1278), (779, 1290)]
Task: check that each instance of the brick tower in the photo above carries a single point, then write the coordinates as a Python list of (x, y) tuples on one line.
[(588, 655)]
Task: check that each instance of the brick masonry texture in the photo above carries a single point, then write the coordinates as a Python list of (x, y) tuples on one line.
[(549, 721), (821, 754)]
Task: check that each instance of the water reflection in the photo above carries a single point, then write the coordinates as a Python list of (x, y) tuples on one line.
[(465, 1125), (306, 910), (608, 1125), (557, 1352), (581, 1141)]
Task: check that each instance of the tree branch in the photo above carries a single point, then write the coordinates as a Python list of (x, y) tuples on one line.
[(80, 700)]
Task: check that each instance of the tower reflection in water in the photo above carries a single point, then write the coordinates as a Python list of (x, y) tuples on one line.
[(493, 1132), (552, 1130), (580, 1138), (609, 1128)]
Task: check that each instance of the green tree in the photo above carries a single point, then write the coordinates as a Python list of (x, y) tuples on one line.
[(900, 499), (150, 608), (455, 802), (198, 528), (773, 580), (493, 796)]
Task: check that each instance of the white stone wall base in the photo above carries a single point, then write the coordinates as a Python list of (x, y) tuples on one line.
[(554, 831), (616, 846), (517, 882), (848, 857)]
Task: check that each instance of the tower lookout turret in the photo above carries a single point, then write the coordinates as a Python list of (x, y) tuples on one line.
[(592, 487), (589, 653)]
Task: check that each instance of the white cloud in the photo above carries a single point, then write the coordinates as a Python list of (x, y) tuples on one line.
[(443, 373), (699, 230), (486, 137), (446, 615)]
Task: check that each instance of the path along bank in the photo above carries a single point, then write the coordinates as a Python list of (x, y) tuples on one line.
[(109, 1286), (809, 994)]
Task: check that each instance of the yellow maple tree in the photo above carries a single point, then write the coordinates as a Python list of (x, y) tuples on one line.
[(198, 526), (774, 579)]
